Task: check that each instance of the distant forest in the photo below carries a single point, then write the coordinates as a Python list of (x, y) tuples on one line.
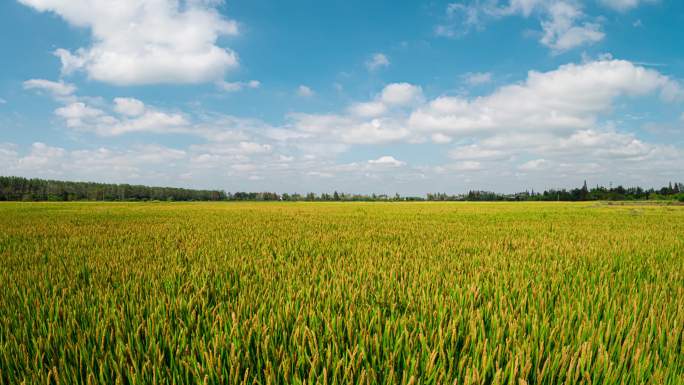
[(14, 188), (22, 189)]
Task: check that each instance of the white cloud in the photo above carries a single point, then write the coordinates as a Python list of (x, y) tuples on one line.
[(477, 78), (563, 22), (129, 106), (78, 114), (146, 162), (440, 138), (134, 117), (603, 144), (555, 116), (387, 161), (461, 18), (156, 154), (401, 94), (625, 5), (562, 100), (128, 115), (240, 148), (320, 174), (534, 165), (3, 101), (56, 89), (237, 86), (377, 61), (347, 129), (149, 164), (562, 31), (394, 95), (150, 121), (549, 113), (304, 91), (368, 109), (544, 107), (41, 155), (375, 131), (8, 153), (476, 152), (243, 158), (466, 165), (560, 116), (146, 41)]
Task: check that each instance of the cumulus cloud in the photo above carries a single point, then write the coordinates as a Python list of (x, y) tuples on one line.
[(401, 94), (129, 106), (132, 116), (562, 100), (146, 41), (555, 120), (368, 109), (40, 156), (78, 114), (550, 111), (376, 121), (564, 24), (394, 95), (148, 163), (129, 115), (377, 61), (543, 108), (556, 116)]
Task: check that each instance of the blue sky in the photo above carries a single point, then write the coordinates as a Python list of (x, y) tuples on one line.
[(356, 96)]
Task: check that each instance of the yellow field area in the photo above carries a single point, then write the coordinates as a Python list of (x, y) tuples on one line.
[(341, 293)]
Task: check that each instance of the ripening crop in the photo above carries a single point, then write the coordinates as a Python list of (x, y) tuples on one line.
[(341, 293)]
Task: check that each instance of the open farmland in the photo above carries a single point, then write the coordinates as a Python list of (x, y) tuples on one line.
[(346, 293)]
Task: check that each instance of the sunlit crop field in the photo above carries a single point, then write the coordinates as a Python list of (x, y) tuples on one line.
[(341, 293)]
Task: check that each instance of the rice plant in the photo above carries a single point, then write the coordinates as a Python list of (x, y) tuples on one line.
[(341, 293)]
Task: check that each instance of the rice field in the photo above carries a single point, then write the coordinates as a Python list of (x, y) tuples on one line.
[(341, 293)]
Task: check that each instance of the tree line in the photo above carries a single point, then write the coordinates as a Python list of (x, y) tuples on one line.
[(673, 191), (14, 188)]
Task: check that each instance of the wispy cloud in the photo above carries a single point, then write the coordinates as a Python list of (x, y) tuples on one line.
[(563, 23), (477, 78), (237, 86), (305, 91), (377, 61)]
